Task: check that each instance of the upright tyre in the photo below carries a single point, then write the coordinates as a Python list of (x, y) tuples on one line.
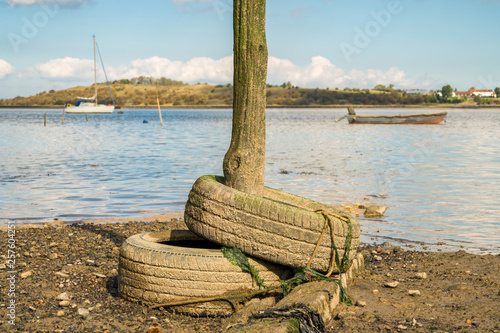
[(278, 227), (167, 266)]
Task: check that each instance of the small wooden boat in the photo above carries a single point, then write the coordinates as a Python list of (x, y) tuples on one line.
[(421, 118)]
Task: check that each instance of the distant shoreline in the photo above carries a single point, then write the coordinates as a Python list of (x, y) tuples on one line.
[(436, 106)]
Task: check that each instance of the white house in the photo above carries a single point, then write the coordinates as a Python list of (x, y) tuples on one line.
[(474, 92), (483, 92)]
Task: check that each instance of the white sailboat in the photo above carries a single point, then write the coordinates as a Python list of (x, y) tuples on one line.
[(85, 104)]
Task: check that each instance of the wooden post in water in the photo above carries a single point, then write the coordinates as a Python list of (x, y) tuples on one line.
[(44, 120), (159, 109), (86, 117), (63, 117)]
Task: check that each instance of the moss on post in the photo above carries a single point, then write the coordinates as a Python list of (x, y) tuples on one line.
[(244, 161)]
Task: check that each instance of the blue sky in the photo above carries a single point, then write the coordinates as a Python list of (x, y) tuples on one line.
[(425, 44)]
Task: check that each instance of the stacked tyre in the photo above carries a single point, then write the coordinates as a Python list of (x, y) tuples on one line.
[(278, 231), (176, 265)]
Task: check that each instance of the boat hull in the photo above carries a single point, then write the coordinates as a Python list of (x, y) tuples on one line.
[(424, 118), (94, 109)]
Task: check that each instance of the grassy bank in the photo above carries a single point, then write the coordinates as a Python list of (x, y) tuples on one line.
[(178, 95)]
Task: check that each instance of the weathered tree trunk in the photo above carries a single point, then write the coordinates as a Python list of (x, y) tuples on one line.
[(245, 159)]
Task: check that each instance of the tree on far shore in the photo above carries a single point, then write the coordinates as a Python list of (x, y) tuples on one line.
[(446, 91)]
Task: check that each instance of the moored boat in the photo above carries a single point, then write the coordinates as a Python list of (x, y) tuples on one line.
[(85, 104), (421, 118)]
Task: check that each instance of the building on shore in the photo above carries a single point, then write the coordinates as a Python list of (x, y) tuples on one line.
[(474, 92)]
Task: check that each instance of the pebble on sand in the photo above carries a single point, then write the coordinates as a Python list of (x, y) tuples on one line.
[(391, 284), (63, 297), (26, 274), (414, 292)]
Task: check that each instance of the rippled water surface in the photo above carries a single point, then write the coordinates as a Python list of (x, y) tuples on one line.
[(440, 182)]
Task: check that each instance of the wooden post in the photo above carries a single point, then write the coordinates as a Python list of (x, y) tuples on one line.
[(244, 161), (159, 110), (44, 120), (87, 118), (63, 117)]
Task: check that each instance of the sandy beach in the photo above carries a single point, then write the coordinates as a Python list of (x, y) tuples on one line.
[(66, 281)]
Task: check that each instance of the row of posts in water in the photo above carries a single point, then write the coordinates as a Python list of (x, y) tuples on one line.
[(86, 118)]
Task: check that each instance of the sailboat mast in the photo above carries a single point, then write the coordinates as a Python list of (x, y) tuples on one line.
[(95, 74)]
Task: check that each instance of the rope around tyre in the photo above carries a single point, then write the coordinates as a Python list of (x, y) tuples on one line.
[(335, 258)]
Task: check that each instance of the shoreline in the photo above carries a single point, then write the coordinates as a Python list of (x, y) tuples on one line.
[(365, 239), (460, 291), (335, 106)]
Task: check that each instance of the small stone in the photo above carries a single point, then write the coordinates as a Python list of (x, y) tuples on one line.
[(53, 256), (64, 303), (60, 313), (32, 308), (414, 292), (360, 303), (26, 274), (52, 244), (402, 327), (2, 266), (61, 274), (82, 312), (375, 211), (90, 262), (422, 275), (377, 258), (99, 275), (392, 284), (86, 303), (346, 314), (62, 297), (375, 291), (379, 249)]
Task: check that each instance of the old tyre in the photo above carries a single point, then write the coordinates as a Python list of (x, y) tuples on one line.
[(167, 266), (278, 227)]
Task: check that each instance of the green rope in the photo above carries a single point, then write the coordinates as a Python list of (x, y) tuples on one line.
[(301, 278), (342, 265), (237, 258)]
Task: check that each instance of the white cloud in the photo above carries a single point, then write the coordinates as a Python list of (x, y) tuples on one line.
[(66, 69), (320, 72), (5, 69), (195, 70), (63, 3)]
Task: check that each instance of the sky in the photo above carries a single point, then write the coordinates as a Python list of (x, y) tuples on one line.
[(412, 44)]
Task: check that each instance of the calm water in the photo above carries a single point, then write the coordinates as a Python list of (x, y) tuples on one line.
[(440, 182)]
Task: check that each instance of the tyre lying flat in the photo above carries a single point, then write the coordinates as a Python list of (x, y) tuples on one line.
[(175, 265), (279, 227)]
